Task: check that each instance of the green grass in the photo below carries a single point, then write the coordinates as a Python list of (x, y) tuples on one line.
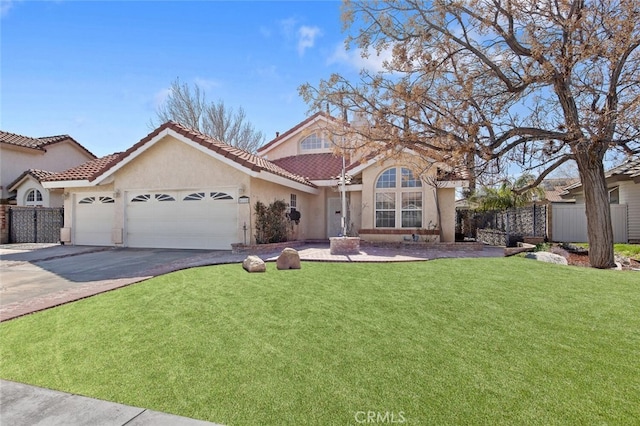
[(627, 250), (456, 341)]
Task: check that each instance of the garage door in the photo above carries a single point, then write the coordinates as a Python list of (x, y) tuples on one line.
[(94, 219), (182, 219)]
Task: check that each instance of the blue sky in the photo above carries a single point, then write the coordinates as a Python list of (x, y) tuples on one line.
[(97, 70)]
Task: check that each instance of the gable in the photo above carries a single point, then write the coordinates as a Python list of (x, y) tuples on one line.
[(171, 163), (288, 144), (179, 138)]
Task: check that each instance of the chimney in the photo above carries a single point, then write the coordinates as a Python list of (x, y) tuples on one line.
[(277, 134)]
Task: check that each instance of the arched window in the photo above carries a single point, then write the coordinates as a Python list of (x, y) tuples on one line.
[(398, 199), (314, 141), (33, 198)]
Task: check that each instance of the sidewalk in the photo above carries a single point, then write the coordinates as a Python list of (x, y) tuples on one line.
[(24, 405)]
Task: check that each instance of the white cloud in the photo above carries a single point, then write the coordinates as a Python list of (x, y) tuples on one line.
[(6, 6), (354, 58), (287, 26), (307, 37)]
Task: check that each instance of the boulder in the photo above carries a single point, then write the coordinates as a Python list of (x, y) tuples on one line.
[(545, 256), (254, 264), (288, 259)]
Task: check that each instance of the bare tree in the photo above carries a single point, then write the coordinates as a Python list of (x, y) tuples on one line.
[(496, 82), (189, 107)]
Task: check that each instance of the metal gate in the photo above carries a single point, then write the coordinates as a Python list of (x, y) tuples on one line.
[(35, 224)]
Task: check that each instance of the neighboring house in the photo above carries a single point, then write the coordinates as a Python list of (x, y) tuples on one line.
[(623, 183), (178, 188), (554, 188), (25, 161)]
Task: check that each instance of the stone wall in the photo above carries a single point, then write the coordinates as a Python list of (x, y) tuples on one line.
[(507, 228)]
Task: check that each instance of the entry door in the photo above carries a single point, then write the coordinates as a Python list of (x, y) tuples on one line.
[(334, 213)]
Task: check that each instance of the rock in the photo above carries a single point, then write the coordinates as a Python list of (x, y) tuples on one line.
[(545, 256), (254, 264), (288, 259)]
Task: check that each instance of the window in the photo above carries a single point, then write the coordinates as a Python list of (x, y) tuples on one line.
[(196, 196), (33, 198), (164, 197), (614, 195), (314, 141), (141, 198), (396, 187), (221, 196), (293, 203), (97, 200)]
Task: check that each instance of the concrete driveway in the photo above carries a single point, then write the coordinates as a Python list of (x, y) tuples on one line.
[(36, 277)]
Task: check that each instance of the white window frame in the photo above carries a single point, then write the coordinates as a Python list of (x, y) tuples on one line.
[(38, 198), (397, 190), (314, 142), (616, 198)]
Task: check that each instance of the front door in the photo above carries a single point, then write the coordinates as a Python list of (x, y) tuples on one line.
[(334, 213)]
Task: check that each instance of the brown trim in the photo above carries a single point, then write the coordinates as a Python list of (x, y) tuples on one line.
[(403, 231)]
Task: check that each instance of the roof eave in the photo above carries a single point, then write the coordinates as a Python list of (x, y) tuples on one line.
[(67, 184), (280, 180)]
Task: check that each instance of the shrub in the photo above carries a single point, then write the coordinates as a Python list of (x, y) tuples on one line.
[(271, 222)]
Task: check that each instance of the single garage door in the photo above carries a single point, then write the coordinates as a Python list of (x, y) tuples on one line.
[(204, 219), (93, 219)]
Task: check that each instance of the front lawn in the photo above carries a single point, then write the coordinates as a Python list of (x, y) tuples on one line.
[(454, 341)]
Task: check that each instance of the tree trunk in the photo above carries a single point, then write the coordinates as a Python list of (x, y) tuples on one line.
[(596, 198)]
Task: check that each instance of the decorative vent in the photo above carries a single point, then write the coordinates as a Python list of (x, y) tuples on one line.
[(221, 196), (97, 200), (141, 198), (164, 197), (196, 196)]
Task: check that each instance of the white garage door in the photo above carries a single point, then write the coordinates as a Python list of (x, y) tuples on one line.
[(182, 219), (94, 219)]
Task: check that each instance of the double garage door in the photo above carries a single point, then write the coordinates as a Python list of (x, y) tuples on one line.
[(206, 219)]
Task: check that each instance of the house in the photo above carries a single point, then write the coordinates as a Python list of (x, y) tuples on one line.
[(25, 161), (623, 183), (178, 188)]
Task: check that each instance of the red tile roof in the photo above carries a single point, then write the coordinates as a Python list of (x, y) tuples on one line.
[(86, 171), (37, 143), (38, 175), (92, 169), (312, 166)]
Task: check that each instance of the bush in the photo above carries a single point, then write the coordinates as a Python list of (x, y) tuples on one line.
[(271, 222)]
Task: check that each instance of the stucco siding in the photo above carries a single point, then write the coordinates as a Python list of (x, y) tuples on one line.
[(447, 200), (171, 164), (429, 208), (291, 146), (58, 157), (267, 193)]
